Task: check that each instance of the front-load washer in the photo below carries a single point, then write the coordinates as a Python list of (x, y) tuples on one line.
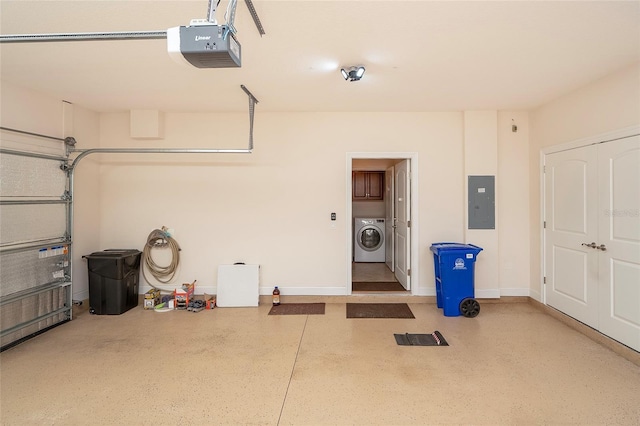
[(368, 245)]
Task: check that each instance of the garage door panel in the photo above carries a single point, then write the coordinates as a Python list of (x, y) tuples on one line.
[(35, 237), (23, 223), (25, 310), (26, 177), (29, 269)]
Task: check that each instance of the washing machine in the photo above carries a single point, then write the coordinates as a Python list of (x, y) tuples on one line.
[(368, 245)]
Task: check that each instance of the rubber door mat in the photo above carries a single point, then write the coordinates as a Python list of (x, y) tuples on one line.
[(298, 309), (377, 286), (434, 339), (378, 310)]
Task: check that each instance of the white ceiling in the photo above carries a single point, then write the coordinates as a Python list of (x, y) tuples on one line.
[(419, 55)]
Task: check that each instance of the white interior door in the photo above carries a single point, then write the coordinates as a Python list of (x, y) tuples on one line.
[(402, 189), (389, 228), (619, 232), (571, 203)]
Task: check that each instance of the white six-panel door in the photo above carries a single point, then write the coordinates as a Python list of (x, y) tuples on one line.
[(571, 197), (592, 236), (619, 239)]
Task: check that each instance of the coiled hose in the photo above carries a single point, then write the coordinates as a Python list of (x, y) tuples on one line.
[(160, 238)]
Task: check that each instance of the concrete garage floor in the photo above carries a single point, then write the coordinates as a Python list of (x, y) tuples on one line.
[(513, 364)]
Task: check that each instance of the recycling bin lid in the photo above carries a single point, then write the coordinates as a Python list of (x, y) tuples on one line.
[(442, 247)]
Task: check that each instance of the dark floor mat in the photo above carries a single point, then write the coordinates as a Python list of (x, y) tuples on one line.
[(434, 339), (377, 286), (378, 310), (298, 309)]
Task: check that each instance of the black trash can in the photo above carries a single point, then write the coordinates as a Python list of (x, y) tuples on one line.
[(114, 277)]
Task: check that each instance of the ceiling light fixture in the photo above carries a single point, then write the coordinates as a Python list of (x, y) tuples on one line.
[(353, 74)]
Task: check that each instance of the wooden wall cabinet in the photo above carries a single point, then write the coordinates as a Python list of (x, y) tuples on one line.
[(367, 186)]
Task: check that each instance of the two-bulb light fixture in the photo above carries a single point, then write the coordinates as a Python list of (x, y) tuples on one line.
[(353, 73)]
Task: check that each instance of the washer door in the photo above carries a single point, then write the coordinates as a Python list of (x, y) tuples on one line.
[(370, 238)]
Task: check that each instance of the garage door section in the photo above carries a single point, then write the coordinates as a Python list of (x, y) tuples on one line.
[(35, 237)]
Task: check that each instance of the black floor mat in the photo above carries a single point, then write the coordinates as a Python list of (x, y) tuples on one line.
[(378, 310), (298, 309), (433, 339), (377, 286)]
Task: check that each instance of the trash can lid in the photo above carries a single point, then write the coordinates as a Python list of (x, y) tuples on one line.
[(113, 253), (438, 247)]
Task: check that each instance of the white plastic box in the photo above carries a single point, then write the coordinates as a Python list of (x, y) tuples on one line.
[(238, 286)]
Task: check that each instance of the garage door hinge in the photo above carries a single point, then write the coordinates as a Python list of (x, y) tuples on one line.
[(66, 196)]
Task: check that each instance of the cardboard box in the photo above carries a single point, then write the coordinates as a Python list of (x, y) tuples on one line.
[(210, 301), (152, 298)]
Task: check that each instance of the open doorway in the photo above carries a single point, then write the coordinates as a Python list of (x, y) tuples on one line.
[(381, 207)]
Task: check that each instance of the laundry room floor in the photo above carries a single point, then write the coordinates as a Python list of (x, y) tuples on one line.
[(371, 272), (512, 364)]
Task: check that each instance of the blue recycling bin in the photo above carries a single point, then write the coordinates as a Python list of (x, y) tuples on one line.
[(454, 265)]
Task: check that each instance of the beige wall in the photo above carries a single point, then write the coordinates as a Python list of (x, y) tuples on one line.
[(481, 159), (86, 199), (272, 207), (606, 105), (25, 109), (513, 203)]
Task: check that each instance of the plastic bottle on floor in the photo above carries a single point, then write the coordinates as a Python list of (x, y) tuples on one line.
[(276, 296)]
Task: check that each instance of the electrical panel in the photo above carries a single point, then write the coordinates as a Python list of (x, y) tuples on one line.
[(482, 202)]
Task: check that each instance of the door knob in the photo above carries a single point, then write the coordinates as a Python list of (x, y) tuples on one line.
[(602, 247), (592, 245)]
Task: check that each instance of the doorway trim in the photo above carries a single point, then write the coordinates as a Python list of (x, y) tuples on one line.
[(414, 203)]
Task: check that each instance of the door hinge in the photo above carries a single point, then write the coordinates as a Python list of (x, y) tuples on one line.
[(544, 280), (544, 169), (544, 224), (409, 272), (408, 224)]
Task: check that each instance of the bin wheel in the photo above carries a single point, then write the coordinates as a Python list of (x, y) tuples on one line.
[(469, 307), (92, 311)]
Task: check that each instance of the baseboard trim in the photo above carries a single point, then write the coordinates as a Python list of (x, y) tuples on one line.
[(167, 289), (81, 296), (593, 334), (482, 293), (306, 291), (493, 293), (520, 292)]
